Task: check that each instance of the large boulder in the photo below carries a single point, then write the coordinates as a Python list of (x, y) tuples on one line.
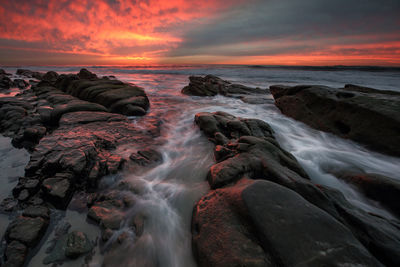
[(365, 115), (211, 85), (261, 223)]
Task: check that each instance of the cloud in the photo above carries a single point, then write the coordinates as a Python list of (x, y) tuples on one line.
[(101, 27), (284, 26), (208, 31)]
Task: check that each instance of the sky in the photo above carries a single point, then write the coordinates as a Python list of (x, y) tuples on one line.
[(146, 32)]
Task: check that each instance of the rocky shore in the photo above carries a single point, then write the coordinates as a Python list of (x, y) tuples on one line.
[(262, 208), (71, 125)]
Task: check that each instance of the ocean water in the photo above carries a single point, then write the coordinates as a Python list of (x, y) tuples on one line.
[(166, 194)]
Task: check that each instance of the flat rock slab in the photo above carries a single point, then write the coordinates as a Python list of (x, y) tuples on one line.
[(368, 116)]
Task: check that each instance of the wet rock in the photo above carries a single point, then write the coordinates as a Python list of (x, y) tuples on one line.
[(27, 230), (379, 235), (249, 224), (106, 214), (230, 225), (69, 246), (58, 191), (251, 150), (211, 85), (15, 255), (378, 187), (146, 157), (368, 116)]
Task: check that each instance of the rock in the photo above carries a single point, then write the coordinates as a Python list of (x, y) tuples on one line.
[(16, 253), (3, 72), (377, 187), (27, 230), (106, 214), (21, 84), (5, 82), (50, 76), (37, 211), (74, 106), (251, 150), (368, 116), (379, 235), (77, 244), (58, 191), (247, 149), (211, 85), (85, 74), (249, 224), (30, 74), (146, 157), (34, 134), (69, 246)]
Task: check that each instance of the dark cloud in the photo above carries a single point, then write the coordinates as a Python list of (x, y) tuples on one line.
[(308, 22)]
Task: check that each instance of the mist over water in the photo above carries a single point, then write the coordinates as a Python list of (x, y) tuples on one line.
[(165, 195)]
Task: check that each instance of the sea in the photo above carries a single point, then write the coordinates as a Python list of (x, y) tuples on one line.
[(168, 192)]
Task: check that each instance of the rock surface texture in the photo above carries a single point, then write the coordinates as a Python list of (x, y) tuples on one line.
[(264, 211), (71, 124), (368, 116)]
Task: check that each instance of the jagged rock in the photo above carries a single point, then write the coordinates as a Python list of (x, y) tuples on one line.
[(368, 116), (211, 85)]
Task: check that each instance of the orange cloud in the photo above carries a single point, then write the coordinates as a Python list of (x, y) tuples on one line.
[(189, 31), (143, 27)]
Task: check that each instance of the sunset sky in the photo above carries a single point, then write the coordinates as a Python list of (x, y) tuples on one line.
[(269, 32)]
